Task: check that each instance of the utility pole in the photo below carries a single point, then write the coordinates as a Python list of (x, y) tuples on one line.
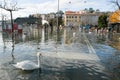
[(13, 8)]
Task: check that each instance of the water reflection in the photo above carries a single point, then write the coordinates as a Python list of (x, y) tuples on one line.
[(12, 55), (62, 69), (29, 75), (74, 59), (31, 33)]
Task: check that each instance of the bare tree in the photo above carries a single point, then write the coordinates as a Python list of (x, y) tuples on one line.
[(116, 2), (10, 6)]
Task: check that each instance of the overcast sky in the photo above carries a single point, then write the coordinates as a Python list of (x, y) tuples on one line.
[(47, 6)]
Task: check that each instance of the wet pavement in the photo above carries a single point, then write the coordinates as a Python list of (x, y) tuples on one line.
[(67, 55)]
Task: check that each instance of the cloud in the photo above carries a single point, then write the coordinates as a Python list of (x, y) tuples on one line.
[(47, 6)]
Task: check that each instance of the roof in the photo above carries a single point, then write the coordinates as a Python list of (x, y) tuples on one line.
[(74, 12)]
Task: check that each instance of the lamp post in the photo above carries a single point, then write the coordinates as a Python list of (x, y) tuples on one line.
[(58, 17)]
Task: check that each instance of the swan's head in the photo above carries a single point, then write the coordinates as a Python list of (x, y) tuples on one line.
[(39, 54)]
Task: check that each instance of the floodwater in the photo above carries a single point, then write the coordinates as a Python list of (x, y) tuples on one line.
[(67, 55)]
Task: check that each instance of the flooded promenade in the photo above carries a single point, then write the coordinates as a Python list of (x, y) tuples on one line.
[(67, 55)]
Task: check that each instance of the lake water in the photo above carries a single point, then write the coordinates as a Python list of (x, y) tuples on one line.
[(68, 55)]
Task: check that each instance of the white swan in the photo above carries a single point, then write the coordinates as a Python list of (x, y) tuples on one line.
[(27, 64)]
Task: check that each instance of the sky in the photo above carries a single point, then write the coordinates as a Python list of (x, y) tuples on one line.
[(48, 6)]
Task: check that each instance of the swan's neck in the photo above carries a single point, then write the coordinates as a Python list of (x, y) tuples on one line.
[(39, 61)]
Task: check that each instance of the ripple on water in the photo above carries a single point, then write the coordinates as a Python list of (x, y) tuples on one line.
[(3, 73)]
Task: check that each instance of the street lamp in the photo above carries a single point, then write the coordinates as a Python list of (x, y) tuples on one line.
[(58, 17)]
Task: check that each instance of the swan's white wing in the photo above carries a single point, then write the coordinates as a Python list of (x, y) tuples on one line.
[(26, 65)]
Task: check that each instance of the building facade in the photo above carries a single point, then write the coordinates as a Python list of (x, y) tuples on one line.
[(78, 18), (90, 18), (72, 18)]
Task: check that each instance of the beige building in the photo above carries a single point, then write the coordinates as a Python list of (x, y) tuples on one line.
[(90, 18), (72, 18)]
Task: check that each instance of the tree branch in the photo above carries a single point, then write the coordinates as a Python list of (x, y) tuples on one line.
[(116, 3)]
